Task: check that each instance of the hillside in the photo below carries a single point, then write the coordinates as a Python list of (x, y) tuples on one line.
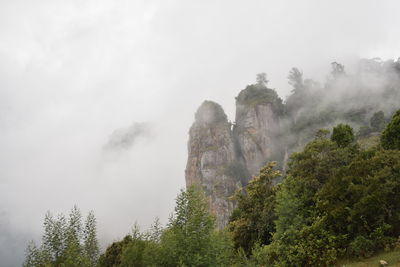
[(266, 128)]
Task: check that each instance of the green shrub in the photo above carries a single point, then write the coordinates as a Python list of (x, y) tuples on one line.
[(361, 247)]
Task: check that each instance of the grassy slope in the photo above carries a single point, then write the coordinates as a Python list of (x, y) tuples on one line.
[(392, 258)]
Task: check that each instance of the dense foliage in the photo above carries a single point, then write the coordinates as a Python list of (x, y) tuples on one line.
[(253, 220), (336, 200)]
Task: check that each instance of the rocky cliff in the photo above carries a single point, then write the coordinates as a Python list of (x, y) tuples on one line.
[(211, 153), (256, 130), (223, 157)]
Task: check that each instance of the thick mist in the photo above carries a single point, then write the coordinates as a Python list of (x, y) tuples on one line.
[(97, 97)]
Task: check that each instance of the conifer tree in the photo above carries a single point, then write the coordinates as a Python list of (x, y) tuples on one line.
[(91, 246)]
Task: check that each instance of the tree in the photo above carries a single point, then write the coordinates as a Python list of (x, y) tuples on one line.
[(54, 237), (112, 255), (337, 70), (296, 79), (300, 238), (262, 79), (390, 137), (252, 222), (361, 202), (91, 246), (155, 232), (188, 238), (342, 135), (63, 243), (36, 256)]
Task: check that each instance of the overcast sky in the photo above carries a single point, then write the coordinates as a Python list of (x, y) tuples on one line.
[(73, 72)]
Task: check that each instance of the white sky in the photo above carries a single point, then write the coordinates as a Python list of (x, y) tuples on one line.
[(71, 72)]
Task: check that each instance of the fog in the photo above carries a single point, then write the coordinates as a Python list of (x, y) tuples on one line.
[(77, 77)]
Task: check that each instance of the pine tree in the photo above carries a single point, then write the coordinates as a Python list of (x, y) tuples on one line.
[(155, 231), (296, 79), (91, 246), (54, 237)]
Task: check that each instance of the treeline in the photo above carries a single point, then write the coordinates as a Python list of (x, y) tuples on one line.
[(189, 239), (336, 200), (66, 241)]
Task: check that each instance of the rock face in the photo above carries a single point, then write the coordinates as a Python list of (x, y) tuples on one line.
[(211, 152), (257, 127), (222, 158)]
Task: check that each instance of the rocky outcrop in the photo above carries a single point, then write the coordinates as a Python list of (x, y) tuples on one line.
[(257, 126), (223, 157), (211, 154)]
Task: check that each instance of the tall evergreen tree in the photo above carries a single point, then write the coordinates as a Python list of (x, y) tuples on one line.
[(91, 246)]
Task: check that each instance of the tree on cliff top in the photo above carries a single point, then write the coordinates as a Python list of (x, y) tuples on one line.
[(262, 79), (296, 79), (259, 94), (337, 70)]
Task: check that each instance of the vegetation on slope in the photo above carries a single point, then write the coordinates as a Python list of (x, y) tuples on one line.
[(336, 200)]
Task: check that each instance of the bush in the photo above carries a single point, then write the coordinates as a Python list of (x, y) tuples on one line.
[(310, 246), (361, 247)]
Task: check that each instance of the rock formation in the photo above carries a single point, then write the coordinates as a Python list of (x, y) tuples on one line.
[(223, 158), (257, 126), (211, 152)]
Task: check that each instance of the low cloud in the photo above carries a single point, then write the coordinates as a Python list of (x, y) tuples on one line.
[(125, 138)]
